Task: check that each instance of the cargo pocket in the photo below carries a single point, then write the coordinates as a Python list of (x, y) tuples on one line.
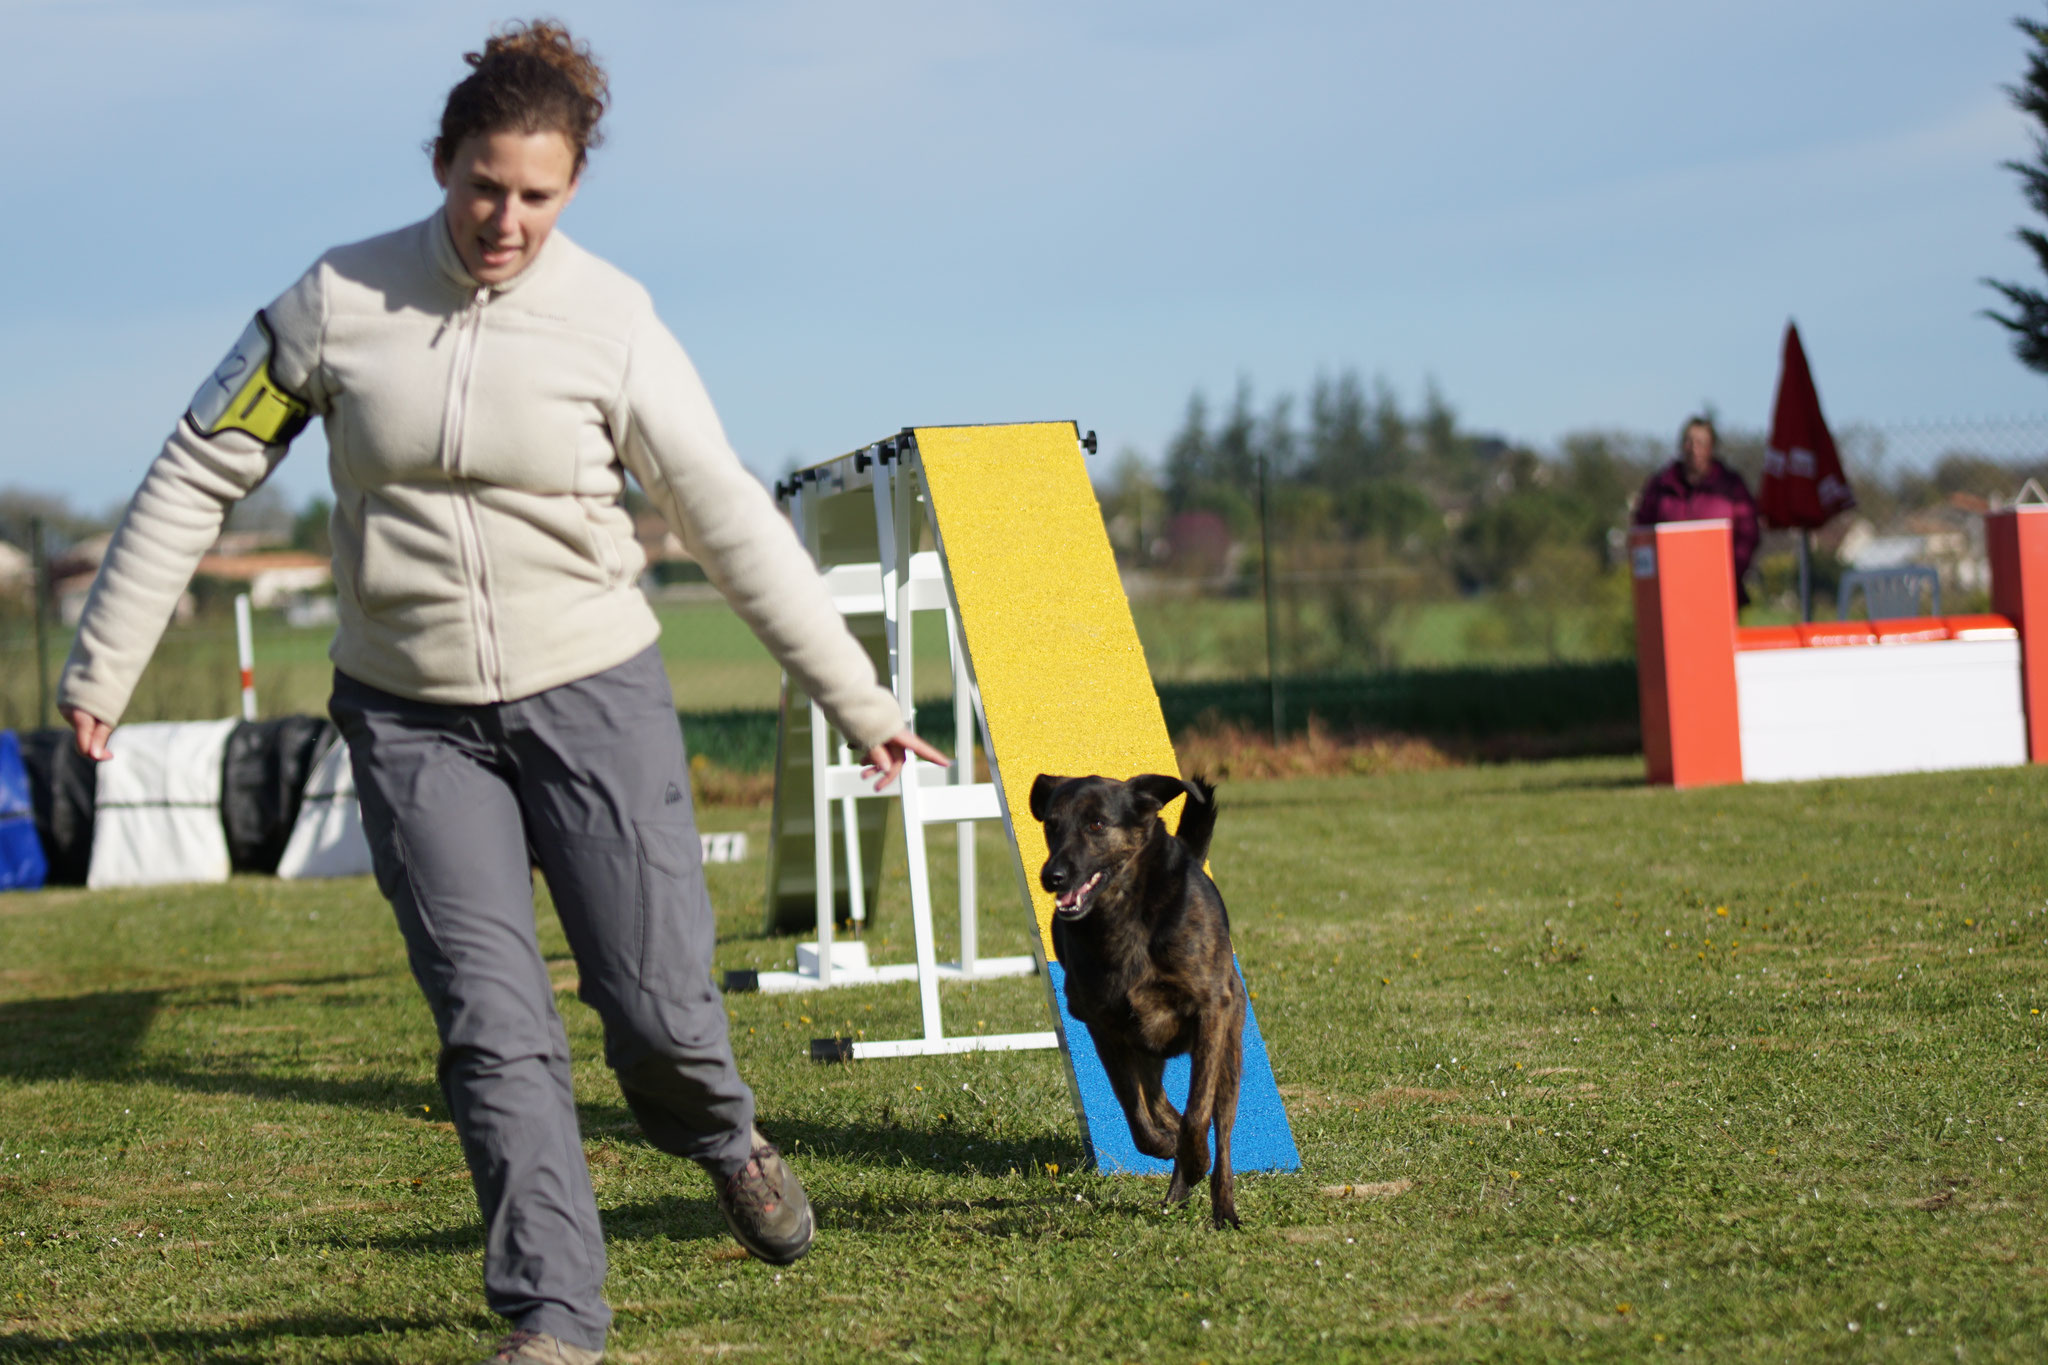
[(675, 910), (397, 878)]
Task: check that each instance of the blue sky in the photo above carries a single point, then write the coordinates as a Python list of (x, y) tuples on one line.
[(862, 216)]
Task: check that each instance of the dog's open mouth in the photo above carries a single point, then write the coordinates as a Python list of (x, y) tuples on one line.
[(1072, 903)]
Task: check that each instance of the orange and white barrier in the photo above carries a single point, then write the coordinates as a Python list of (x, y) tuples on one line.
[(1722, 703)]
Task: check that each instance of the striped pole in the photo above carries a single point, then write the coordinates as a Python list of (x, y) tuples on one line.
[(245, 651)]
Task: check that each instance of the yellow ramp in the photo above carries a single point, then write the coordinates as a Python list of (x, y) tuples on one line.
[(1064, 689), (1056, 656)]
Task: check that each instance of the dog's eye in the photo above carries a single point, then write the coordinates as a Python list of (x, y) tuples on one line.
[(1096, 827)]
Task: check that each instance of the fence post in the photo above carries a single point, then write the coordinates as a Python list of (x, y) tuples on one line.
[(39, 573), (245, 655)]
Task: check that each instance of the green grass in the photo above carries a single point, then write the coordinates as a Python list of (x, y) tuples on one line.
[(1622, 1124), (1200, 639), (715, 663)]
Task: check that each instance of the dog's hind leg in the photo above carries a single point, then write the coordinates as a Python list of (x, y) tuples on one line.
[(1222, 1182), (1136, 1077)]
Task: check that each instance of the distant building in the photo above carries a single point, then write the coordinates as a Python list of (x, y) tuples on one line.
[(238, 543), (17, 571), (72, 571), (272, 577), (660, 544), (1200, 545), (1948, 538)]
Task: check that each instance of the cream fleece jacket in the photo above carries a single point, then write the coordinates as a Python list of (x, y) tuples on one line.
[(479, 439)]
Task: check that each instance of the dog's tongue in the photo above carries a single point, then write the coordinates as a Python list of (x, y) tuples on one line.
[(1070, 899)]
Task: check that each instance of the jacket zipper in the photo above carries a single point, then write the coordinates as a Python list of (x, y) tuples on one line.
[(454, 419)]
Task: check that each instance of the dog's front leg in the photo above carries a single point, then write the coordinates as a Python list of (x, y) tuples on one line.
[(1213, 1041), (1137, 1079)]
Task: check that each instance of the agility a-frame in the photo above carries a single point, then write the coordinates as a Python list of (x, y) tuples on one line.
[(1046, 662)]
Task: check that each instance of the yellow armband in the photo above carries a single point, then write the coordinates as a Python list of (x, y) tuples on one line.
[(240, 394)]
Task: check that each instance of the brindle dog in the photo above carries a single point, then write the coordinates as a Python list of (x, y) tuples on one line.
[(1145, 941)]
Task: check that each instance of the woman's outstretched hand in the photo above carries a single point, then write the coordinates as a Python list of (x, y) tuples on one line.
[(885, 760), (92, 733)]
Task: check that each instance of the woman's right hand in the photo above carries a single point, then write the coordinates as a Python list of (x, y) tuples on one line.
[(92, 733)]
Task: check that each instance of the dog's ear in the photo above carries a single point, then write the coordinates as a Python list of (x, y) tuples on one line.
[(1041, 793), (1154, 790)]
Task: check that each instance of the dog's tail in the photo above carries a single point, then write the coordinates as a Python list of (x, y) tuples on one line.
[(1198, 817)]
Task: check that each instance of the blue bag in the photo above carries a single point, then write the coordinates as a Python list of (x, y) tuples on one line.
[(22, 867)]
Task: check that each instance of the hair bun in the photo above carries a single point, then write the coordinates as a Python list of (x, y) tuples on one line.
[(531, 77), (548, 40)]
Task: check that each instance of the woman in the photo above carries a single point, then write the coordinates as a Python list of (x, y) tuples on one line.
[(486, 385), (1697, 486)]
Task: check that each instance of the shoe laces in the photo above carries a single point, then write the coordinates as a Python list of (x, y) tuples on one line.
[(756, 1191)]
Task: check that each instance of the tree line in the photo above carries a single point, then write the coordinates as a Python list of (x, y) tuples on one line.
[(1378, 509)]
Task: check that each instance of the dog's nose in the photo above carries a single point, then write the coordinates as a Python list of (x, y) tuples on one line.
[(1053, 879)]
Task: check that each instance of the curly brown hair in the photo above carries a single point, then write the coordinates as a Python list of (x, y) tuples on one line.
[(530, 78)]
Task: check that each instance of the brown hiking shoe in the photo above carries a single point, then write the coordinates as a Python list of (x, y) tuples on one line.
[(765, 1207), (538, 1348)]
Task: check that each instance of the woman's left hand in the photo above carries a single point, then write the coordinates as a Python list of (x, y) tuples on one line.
[(885, 760)]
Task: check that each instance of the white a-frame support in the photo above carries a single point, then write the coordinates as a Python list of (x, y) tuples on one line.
[(842, 530)]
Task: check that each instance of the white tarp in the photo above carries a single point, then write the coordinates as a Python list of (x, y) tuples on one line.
[(157, 808), (327, 840)]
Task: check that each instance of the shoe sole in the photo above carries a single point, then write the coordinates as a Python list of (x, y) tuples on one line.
[(770, 1255)]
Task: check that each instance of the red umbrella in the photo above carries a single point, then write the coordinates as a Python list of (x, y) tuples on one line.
[(1803, 484)]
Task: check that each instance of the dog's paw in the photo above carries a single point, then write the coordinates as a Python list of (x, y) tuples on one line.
[(1176, 1193), (1155, 1144), (1224, 1218)]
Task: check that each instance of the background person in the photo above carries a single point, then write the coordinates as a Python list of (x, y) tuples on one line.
[(485, 385), (1696, 487)]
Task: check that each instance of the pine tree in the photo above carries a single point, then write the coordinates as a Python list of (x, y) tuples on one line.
[(2028, 321)]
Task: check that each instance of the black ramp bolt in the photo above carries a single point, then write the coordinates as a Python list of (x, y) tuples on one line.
[(742, 980), (1088, 443), (831, 1049)]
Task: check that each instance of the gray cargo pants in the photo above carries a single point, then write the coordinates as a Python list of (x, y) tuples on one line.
[(590, 780)]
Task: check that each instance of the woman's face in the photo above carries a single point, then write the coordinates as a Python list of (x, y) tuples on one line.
[(505, 191), (1699, 449)]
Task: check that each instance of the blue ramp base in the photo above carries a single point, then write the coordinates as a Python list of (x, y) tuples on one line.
[(1259, 1141)]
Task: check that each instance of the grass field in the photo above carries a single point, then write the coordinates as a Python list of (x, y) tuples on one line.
[(716, 664), (1611, 1073)]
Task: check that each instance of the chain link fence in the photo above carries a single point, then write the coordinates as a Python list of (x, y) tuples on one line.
[(1922, 489), (1336, 609)]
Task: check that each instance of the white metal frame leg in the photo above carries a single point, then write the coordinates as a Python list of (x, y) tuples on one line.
[(856, 881), (903, 583), (963, 776), (895, 510), (821, 800)]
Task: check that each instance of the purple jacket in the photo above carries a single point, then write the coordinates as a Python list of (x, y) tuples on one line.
[(1670, 496)]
